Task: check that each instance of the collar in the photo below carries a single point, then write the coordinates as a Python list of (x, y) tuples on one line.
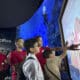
[(31, 55)]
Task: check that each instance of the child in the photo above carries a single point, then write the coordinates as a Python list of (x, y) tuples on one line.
[(31, 67), (16, 58), (52, 64), (39, 55)]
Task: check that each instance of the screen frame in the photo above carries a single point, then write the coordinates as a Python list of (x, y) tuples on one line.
[(62, 33)]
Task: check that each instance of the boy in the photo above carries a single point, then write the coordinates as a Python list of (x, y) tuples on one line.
[(39, 55), (52, 64), (16, 58), (31, 67)]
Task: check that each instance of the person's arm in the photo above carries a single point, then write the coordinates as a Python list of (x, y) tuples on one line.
[(63, 55), (56, 48), (71, 47)]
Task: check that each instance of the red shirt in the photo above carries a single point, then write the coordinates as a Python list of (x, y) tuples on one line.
[(40, 57), (3, 64), (16, 57)]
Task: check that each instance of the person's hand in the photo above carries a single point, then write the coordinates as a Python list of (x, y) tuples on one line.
[(74, 46)]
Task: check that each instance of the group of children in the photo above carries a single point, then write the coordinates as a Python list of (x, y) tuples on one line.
[(31, 61)]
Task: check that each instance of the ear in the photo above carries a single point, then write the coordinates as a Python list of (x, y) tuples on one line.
[(31, 49)]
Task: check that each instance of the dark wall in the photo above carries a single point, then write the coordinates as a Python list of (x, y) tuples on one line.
[(7, 38)]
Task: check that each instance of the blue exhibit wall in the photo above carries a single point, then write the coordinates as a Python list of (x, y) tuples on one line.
[(45, 26)]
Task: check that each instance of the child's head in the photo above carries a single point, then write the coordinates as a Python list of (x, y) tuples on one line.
[(31, 46), (48, 54), (40, 41), (19, 42)]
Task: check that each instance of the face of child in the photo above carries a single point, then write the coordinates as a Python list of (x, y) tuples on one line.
[(20, 43), (36, 48)]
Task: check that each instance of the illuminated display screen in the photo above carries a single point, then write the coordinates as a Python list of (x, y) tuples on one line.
[(71, 30)]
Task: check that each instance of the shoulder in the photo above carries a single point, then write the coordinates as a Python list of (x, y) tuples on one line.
[(28, 64), (11, 55), (24, 52), (29, 60), (13, 52)]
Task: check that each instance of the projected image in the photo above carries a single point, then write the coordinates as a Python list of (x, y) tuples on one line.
[(71, 29)]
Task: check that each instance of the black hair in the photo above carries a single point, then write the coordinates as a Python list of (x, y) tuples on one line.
[(17, 39), (37, 37), (46, 53), (29, 44)]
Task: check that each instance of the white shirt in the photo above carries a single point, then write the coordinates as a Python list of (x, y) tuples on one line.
[(32, 69)]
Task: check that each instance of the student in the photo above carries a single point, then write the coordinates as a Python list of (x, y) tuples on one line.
[(16, 58), (39, 55), (52, 64), (31, 67)]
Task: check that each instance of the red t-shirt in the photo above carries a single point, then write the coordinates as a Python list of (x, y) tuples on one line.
[(40, 57), (16, 57), (3, 64)]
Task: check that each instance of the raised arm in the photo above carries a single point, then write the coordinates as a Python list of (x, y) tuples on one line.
[(71, 47), (64, 53)]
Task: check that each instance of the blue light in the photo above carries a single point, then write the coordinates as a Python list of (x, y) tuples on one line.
[(35, 26)]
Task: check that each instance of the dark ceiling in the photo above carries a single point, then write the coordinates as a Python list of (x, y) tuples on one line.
[(16, 12)]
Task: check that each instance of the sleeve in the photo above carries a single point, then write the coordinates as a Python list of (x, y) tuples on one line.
[(29, 70), (58, 60)]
